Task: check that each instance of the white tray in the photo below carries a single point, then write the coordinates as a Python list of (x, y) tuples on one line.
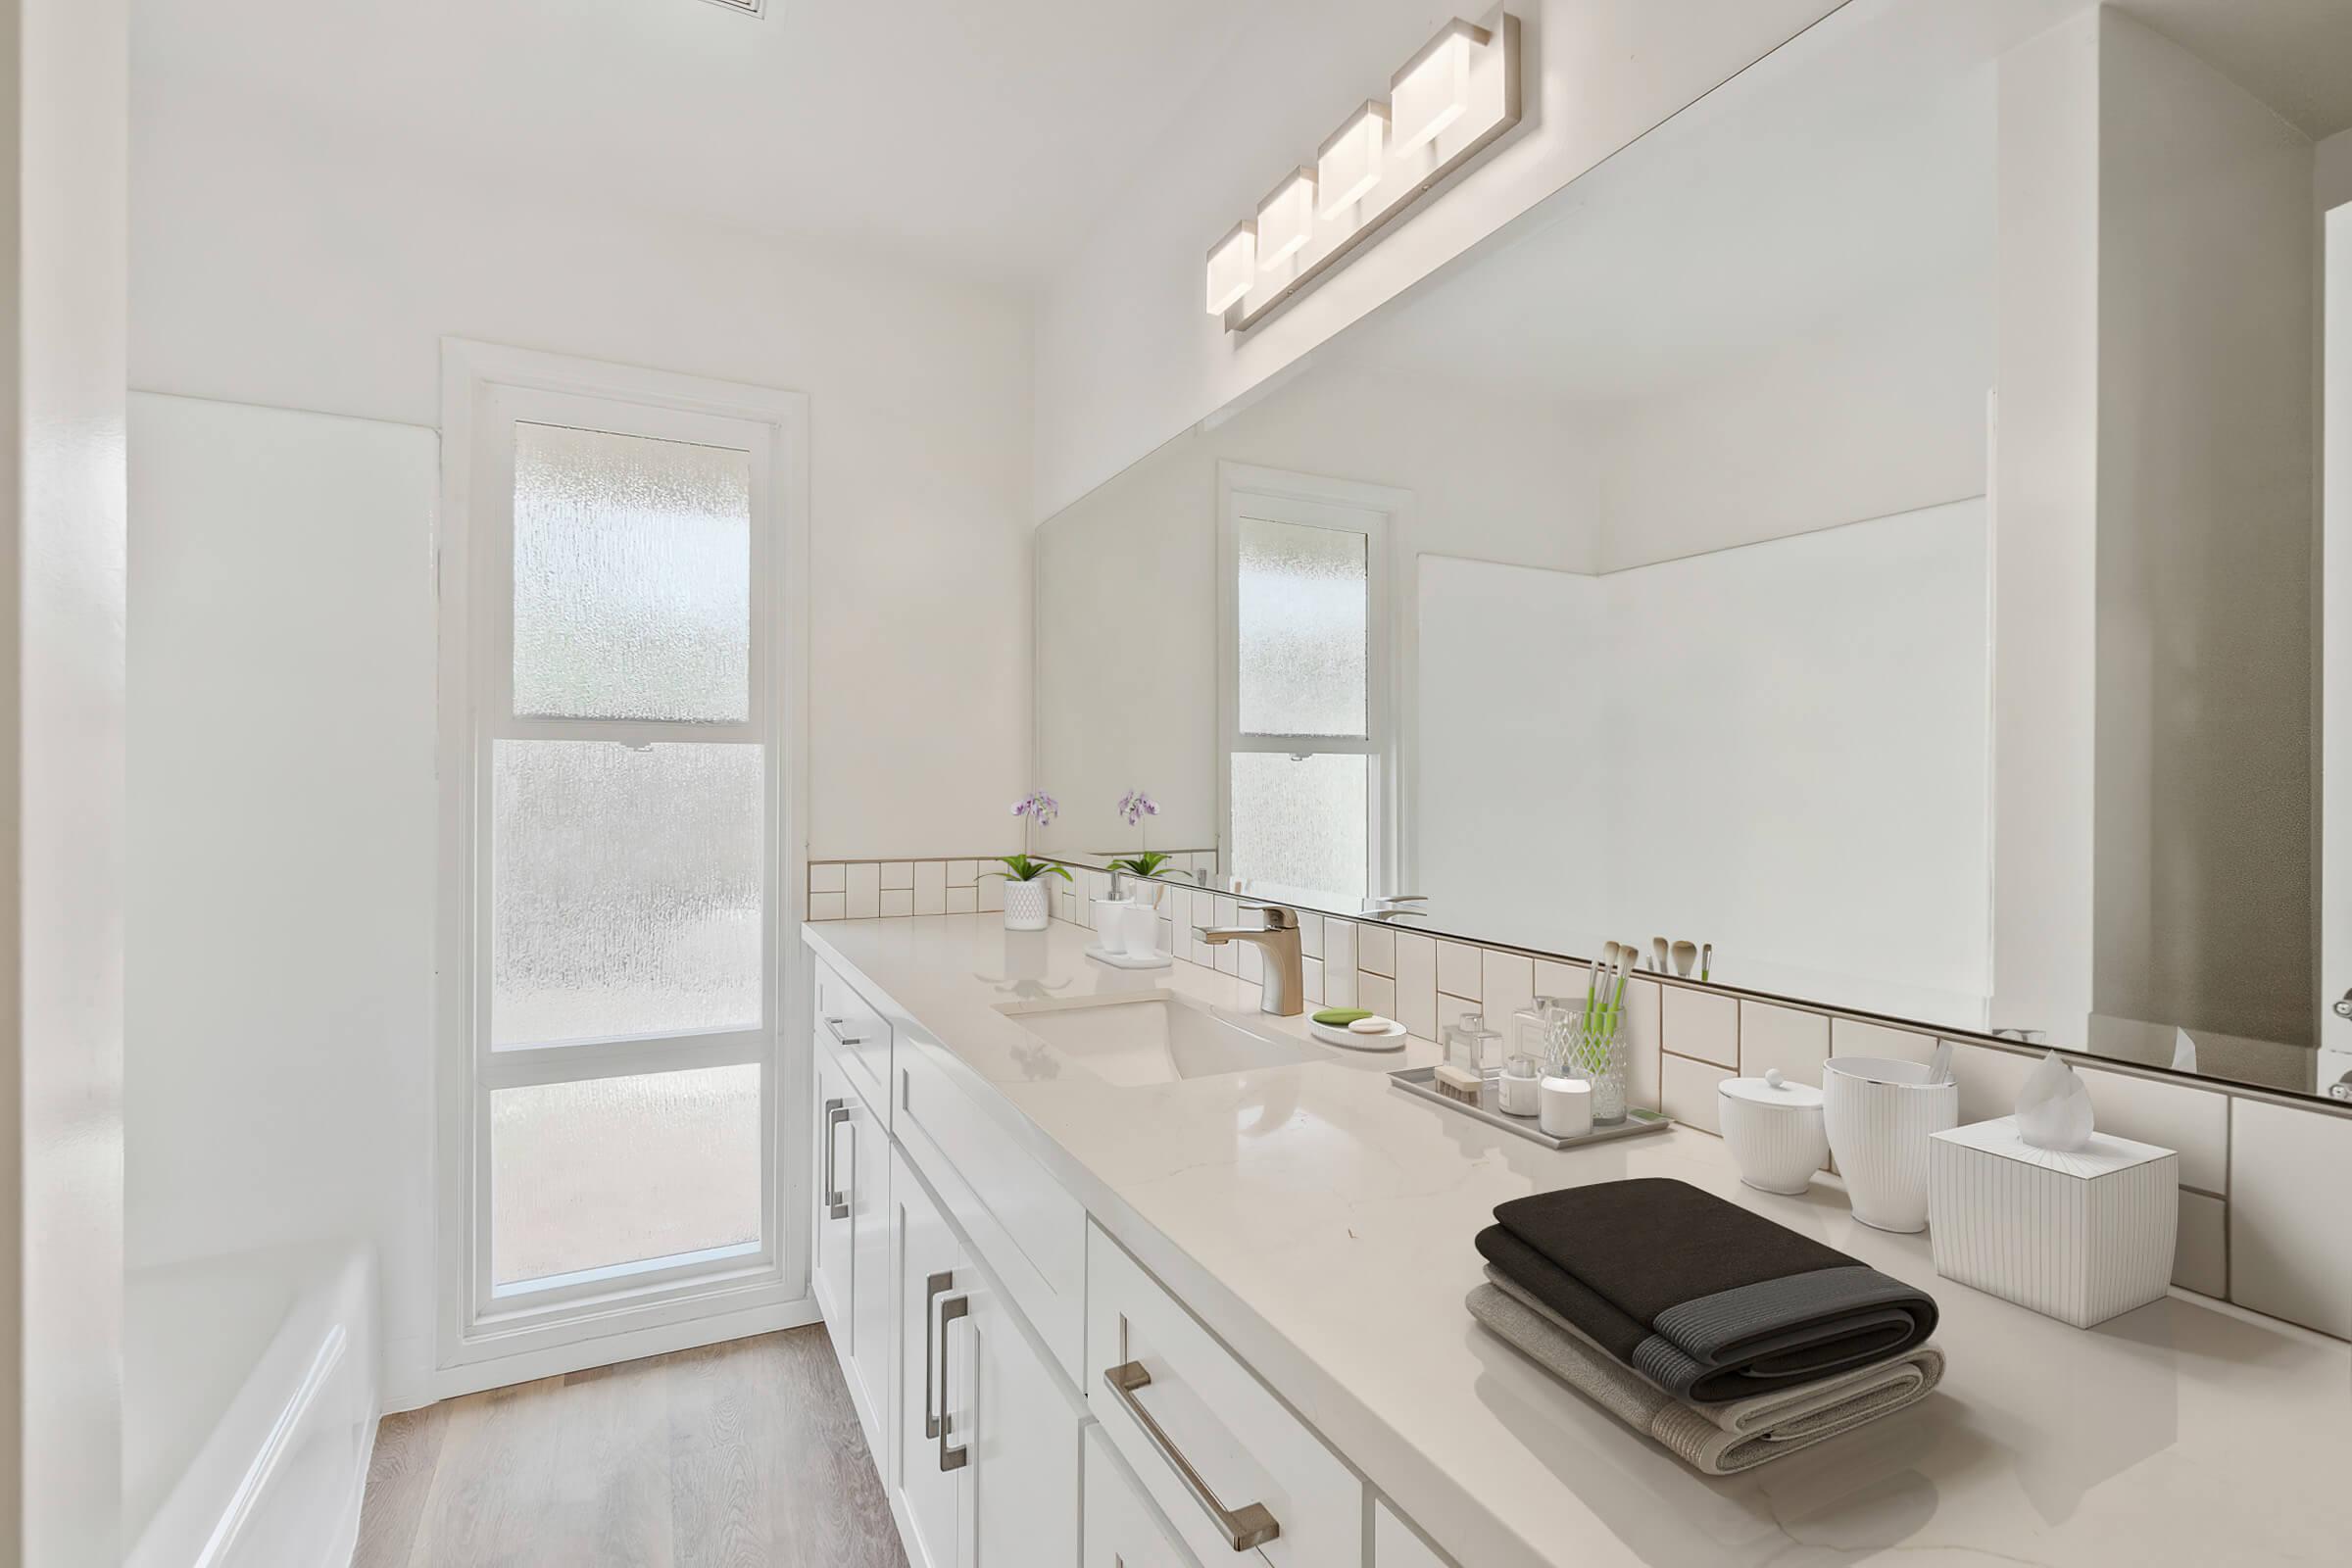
[(1123, 961)]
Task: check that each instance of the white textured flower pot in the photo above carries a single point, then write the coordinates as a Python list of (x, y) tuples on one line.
[(2079, 1235), (1879, 1114), (1025, 905)]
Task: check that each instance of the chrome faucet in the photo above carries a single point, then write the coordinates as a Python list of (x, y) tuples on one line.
[(1282, 990)]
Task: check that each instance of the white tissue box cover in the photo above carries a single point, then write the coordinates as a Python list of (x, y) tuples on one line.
[(2080, 1235)]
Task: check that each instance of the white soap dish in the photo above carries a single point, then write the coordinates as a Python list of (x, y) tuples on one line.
[(1347, 1040), (1128, 961)]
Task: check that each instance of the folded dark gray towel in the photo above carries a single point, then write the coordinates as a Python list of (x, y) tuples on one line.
[(1705, 1299)]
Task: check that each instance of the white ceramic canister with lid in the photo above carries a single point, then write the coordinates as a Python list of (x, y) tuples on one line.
[(1775, 1131)]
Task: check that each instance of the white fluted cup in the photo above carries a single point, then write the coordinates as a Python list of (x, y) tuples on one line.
[(1139, 931), (1879, 1114)]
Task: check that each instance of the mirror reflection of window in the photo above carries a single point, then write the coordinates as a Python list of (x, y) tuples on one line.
[(1304, 710)]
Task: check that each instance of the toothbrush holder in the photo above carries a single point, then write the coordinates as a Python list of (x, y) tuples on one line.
[(1590, 1044)]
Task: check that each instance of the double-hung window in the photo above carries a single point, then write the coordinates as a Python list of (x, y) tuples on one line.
[(618, 824), (1306, 702)]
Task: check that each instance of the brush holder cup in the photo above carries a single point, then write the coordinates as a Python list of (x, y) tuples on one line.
[(1590, 1043)]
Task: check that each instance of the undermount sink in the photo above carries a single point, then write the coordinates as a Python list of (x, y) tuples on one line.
[(1154, 1037)]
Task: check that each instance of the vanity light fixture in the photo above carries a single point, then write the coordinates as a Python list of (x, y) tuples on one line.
[(1286, 219), (1348, 163), (1232, 267), (1433, 90), (1454, 101)]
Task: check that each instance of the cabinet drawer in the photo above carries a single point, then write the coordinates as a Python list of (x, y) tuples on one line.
[(857, 1035), (1253, 1465), (1122, 1529), (1024, 1225)]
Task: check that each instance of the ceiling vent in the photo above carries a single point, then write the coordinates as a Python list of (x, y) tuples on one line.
[(749, 7)]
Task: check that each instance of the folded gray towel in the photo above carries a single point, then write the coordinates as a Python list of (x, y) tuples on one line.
[(1719, 1438)]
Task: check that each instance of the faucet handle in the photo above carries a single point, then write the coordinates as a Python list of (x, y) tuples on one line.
[(1279, 916)]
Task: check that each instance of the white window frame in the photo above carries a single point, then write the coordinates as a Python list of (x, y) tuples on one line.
[(1379, 512), (488, 1337)]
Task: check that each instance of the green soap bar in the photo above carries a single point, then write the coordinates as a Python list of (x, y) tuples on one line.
[(1341, 1017)]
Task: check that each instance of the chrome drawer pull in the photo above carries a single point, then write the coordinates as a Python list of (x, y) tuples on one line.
[(931, 1288), (833, 1028), (1249, 1525), (951, 1308), (837, 1200)]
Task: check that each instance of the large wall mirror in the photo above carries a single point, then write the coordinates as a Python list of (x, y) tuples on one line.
[(1889, 525)]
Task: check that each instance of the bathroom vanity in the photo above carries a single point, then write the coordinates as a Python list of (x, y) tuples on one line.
[(1122, 1271)]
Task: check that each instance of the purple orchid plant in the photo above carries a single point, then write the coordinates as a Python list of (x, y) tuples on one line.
[(1035, 809)]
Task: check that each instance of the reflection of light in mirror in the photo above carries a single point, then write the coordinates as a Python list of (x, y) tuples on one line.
[(1433, 90), (1286, 219), (1347, 165), (1232, 267)]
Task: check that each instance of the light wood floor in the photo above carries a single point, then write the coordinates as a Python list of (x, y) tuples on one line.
[(741, 1455)]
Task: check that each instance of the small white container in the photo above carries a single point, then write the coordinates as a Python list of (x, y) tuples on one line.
[(1517, 1090), (1109, 926), (1138, 933), (2079, 1235), (1775, 1131), (1564, 1108), (1879, 1114)]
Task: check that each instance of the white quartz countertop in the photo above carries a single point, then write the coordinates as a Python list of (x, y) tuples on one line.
[(1321, 1222)]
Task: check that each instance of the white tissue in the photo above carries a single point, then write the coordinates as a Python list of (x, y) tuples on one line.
[(2053, 1109)]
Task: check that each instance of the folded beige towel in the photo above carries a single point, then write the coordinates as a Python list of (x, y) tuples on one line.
[(1717, 1440)]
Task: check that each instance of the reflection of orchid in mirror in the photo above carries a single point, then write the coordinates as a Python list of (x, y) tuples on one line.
[(1135, 805)]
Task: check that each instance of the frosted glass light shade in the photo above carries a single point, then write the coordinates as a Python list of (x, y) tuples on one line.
[(1286, 220), (1433, 90), (1348, 163), (1232, 267)]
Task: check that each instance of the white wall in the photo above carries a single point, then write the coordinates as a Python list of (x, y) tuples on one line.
[(1126, 355), (1780, 749), (279, 263), (2205, 527), (282, 821), (60, 783), (1876, 413)]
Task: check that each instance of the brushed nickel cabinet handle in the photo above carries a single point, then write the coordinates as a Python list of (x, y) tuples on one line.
[(1249, 1525), (833, 1028), (932, 1287), (951, 1308), (837, 1200)]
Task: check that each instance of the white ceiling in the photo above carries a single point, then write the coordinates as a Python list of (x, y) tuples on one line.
[(976, 134)]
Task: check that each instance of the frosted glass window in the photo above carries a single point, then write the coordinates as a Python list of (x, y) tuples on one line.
[(623, 1170), (1302, 618), (632, 577), (625, 889), (1299, 823)]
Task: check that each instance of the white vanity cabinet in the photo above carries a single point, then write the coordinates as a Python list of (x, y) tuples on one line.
[(1017, 1360), (850, 1273), (984, 1451)]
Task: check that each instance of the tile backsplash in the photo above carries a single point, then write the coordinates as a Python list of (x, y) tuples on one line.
[(2263, 1180)]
